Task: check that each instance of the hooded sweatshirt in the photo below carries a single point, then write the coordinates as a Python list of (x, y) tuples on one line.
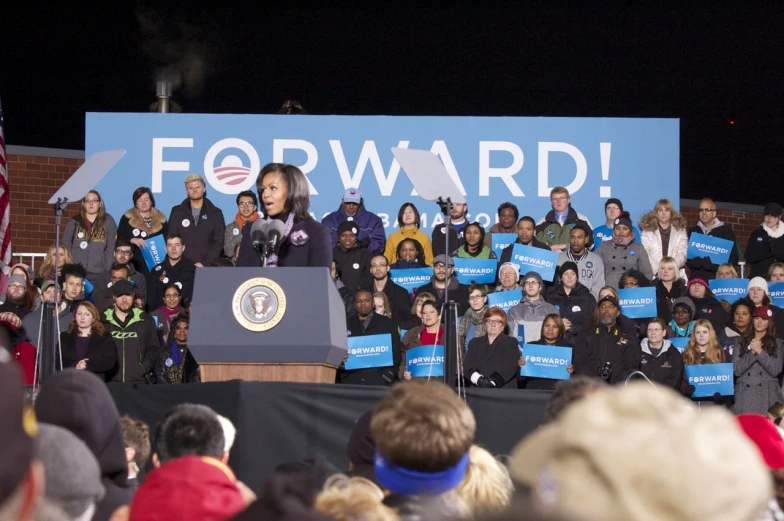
[(664, 367), (530, 314), (80, 402)]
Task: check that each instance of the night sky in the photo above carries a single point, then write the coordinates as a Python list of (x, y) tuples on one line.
[(707, 67)]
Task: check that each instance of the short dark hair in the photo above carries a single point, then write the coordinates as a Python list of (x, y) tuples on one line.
[(527, 218), (140, 192), (189, 429), (403, 209), (175, 236), (74, 270), (298, 199), (568, 392), (116, 266), (504, 206), (247, 193), (122, 242)]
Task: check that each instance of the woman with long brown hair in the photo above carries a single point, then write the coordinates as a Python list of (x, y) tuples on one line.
[(703, 348), (87, 346), (91, 235)]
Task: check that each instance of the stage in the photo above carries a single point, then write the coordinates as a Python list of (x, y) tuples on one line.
[(278, 422)]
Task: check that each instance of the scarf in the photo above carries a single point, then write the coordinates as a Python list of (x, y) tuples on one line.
[(272, 260), (170, 313), (477, 318), (778, 232), (682, 332), (240, 221), (622, 241)]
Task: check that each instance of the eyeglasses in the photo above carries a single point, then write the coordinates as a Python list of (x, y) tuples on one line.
[(494, 322), (531, 283), (476, 297), (707, 210), (171, 295), (246, 203)]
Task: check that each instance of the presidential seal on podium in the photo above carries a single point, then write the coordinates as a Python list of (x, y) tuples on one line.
[(259, 304)]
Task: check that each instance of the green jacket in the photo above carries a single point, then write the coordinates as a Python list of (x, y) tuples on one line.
[(137, 344)]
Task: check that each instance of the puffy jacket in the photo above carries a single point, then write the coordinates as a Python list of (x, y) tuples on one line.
[(371, 229)]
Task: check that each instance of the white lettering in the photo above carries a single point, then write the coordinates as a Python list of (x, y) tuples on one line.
[(427, 360), (439, 149), (581, 173), (636, 302), (159, 165), (712, 379), (279, 146), (534, 262), (505, 173), (711, 249), (368, 154)]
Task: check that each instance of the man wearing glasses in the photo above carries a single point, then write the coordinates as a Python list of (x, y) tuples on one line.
[(709, 224), (123, 253), (553, 230)]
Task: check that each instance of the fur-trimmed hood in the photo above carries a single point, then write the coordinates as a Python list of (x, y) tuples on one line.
[(135, 220)]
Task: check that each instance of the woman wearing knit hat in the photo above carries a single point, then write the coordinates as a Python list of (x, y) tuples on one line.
[(766, 243), (623, 253), (758, 363)]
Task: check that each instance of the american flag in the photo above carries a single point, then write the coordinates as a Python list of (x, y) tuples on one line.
[(5, 211)]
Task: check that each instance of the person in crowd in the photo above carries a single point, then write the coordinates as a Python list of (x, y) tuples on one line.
[(102, 296), (176, 268), (50, 292), (708, 224), (553, 230), (123, 252), (473, 323), (136, 438), (410, 254), (141, 222), (491, 360), (345, 295), (353, 257), (740, 313), (420, 477), (703, 348), (776, 272), (553, 334), (706, 306), (613, 208), (623, 253), (473, 246), (86, 345), (664, 235), (369, 226), (73, 281), (444, 278), (605, 350), (726, 271), (381, 304), (758, 363), (284, 197), (526, 235), (629, 326), (90, 236), (416, 311), (409, 222), (170, 310), (776, 413), (568, 392), (458, 213), (508, 277), (590, 265), (574, 301), (80, 402), (175, 363), (46, 270), (17, 300), (31, 288), (345, 498), (595, 462), (135, 336), (486, 488), (199, 223), (247, 212), (189, 429), (669, 286), (766, 243), (399, 298), (365, 323), (661, 362), (526, 317), (508, 214), (682, 323), (430, 333)]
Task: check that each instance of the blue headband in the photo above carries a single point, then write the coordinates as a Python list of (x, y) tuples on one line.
[(412, 483)]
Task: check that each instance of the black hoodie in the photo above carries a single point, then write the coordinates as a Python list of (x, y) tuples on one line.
[(80, 402)]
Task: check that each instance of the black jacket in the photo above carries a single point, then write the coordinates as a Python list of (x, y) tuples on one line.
[(596, 346), (308, 245), (664, 298), (577, 307), (354, 266), (702, 267), (164, 273), (438, 238), (166, 373), (378, 325), (762, 251), (457, 293), (666, 368), (137, 343), (399, 300), (101, 354), (499, 358), (203, 241)]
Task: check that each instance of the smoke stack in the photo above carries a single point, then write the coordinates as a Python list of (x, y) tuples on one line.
[(163, 89)]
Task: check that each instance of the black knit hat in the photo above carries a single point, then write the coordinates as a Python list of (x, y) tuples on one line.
[(348, 226), (569, 265), (625, 220), (613, 200)]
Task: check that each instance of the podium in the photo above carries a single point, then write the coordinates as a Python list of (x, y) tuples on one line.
[(267, 324)]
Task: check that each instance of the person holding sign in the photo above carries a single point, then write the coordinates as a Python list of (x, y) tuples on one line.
[(408, 220), (528, 315), (142, 222), (430, 333), (661, 362), (553, 332), (757, 364), (492, 359), (526, 235), (703, 348), (709, 224), (474, 245), (507, 220), (623, 253)]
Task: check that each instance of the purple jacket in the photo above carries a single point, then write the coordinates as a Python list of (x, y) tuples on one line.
[(310, 248), (370, 227)]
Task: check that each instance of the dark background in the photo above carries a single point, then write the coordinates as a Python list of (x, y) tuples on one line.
[(707, 67)]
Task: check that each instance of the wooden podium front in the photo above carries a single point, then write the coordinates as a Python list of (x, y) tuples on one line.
[(250, 372)]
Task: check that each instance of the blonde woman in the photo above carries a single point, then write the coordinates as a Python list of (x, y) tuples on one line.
[(381, 304), (664, 235), (91, 235), (726, 271), (416, 311), (346, 498), (486, 488), (669, 286), (46, 270), (776, 272)]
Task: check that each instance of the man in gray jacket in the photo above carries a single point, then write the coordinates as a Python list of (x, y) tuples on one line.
[(531, 311), (589, 264)]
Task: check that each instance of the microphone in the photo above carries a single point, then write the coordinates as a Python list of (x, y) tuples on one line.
[(258, 233), (275, 231)]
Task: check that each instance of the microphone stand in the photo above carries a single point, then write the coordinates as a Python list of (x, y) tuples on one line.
[(450, 324)]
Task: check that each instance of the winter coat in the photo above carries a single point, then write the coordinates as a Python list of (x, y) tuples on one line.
[(666, 368), (354, 266), (187, 372), (378, 325), (137, 343), (764, 248), (94, 250), (677, 247), (530, 314), (184, 273), (598, 346), (438, 238), (101, 354), (591, 267), (457, 293), (132, 226), (499, 358), (577, 307), (702, 267), (371, 228), (307, 245), (203, 236), (756, 385), (395, 238), (550, 232), (620, 259), (665, 298)]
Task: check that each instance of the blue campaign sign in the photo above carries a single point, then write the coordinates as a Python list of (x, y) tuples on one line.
[(481, 271), (546, 361), (715, 248), (776, 293), (424, 361), (411, 278), (369, 351), (491, 160), (709, 379), (500, 241), (504, 299), (679, 342), (543, 262), (155, 251), (638, 302), (729, 289)]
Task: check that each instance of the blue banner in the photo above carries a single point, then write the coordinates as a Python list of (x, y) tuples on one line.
[(411, 278), (543, 262), (491, 160), (481, 271), (546, 361), (155, 251), (709, 379), (369, 351), (504, 299), (500, 241), (679, 342), (638, 302), (776, 293), (718, 250), (424, 361), (729, 289)]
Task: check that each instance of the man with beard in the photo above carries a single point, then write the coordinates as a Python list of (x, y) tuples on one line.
[(399, 301), (603, 349), (134, 334), (16, 300), (444, 276)]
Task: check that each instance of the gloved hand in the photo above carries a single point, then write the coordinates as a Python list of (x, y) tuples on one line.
[(497, 380), (689, 390), (484, 382)]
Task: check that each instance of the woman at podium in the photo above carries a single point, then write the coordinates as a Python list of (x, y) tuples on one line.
[(284, 196)]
